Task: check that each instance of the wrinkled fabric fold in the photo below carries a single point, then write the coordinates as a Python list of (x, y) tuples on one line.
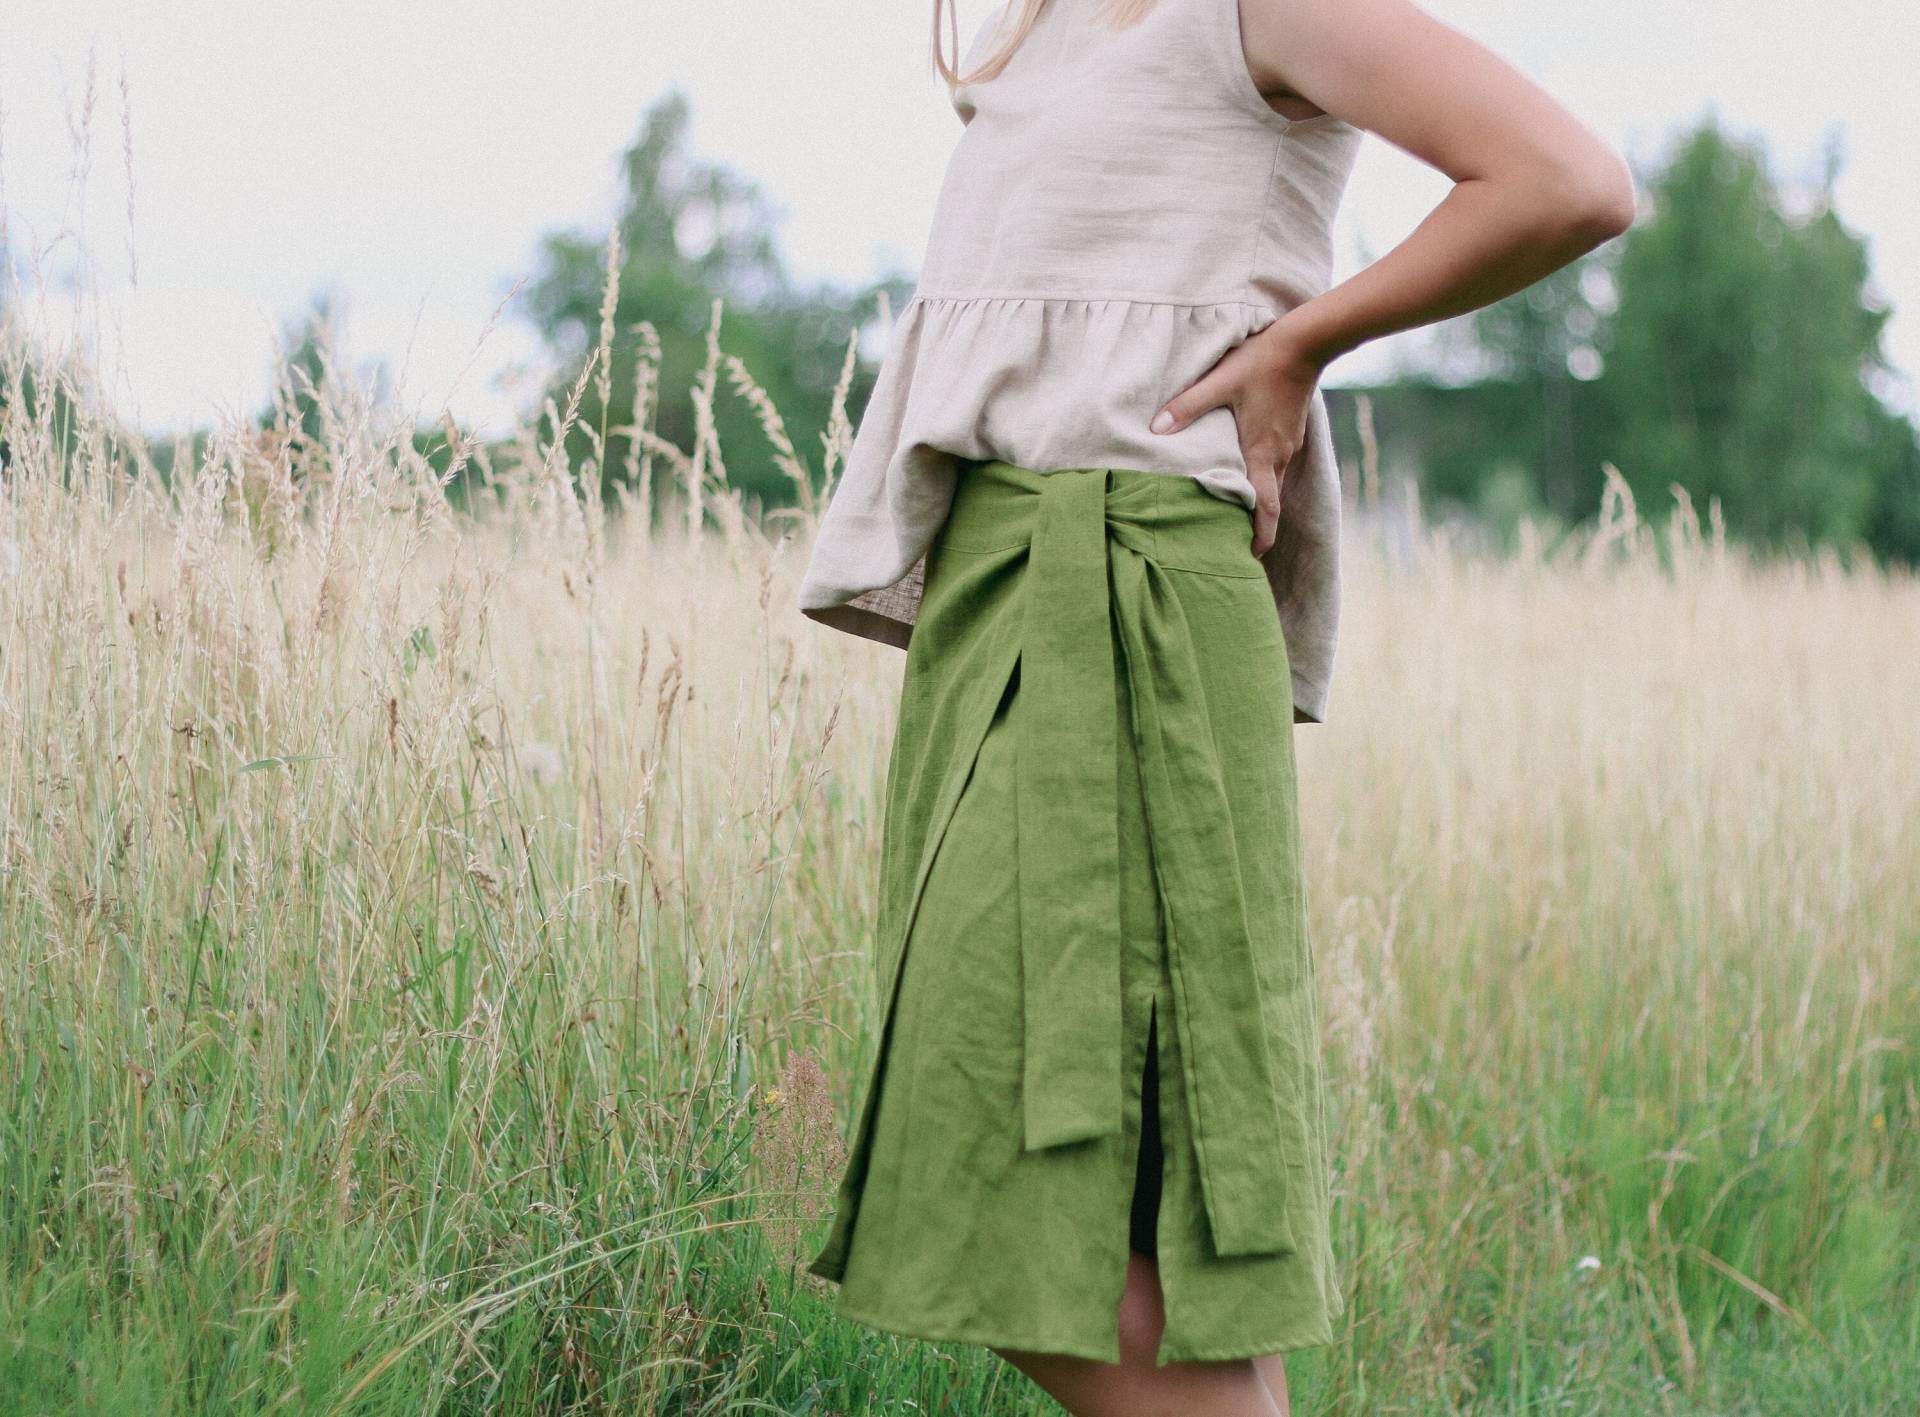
[(1068, 809), (1092, 581)]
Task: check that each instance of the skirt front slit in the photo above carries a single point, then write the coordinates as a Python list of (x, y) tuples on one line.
[(1144, 1220), (1090, 881)]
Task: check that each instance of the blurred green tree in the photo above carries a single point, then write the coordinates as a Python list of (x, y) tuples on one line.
[(1727, 343), (690, 231), (1541, 343), (1739, 361)]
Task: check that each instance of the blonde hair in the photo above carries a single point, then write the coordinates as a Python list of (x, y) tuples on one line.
[(1119, 13)]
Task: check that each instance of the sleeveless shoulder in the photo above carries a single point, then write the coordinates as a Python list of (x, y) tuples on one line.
[(1222, 21), (1201, 53)]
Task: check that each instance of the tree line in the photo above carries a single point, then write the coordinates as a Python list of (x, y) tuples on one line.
[(1730, 344)]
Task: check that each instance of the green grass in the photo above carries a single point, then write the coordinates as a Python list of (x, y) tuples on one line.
[(419, 933)]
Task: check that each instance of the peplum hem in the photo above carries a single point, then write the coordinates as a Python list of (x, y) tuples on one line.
[(1049, 381)]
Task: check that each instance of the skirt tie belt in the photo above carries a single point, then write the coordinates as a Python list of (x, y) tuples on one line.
[(1094, 582)]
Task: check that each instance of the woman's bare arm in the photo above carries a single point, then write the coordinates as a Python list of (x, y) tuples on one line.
[(1534, 188)]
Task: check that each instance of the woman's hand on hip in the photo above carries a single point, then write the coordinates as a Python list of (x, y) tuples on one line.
[(1268, 381)]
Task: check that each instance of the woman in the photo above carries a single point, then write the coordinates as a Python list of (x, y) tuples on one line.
[(1094, 496)]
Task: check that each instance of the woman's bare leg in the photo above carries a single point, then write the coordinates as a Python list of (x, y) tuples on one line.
[(1134, 1387), (1273, 1372)]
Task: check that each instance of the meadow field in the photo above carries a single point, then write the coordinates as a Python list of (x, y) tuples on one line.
[(436, 938)]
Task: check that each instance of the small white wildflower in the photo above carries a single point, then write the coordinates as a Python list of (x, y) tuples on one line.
[(1587, 1265), (542, 761)]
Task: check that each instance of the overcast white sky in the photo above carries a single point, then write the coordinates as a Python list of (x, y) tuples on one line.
[(412, 154)]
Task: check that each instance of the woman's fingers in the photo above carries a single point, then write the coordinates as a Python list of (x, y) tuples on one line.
[(1266, 505), (1211, 390), (1265, 446)]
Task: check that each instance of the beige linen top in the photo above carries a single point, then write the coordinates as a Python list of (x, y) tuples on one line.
[(1121, 209)]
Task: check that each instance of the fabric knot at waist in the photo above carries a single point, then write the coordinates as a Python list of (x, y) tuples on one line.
[(1097, 604)]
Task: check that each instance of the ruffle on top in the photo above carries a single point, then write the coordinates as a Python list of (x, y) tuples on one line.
[(1051, 382)]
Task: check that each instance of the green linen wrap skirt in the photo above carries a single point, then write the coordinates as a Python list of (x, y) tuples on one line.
[(1091, 830)]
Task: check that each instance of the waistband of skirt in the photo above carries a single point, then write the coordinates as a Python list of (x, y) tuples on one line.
[(1169, 516)]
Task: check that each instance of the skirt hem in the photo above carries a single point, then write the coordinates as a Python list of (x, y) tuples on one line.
[(983, 1337), (1317, 1336)]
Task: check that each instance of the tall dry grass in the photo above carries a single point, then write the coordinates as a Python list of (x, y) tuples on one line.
[(434, 939)]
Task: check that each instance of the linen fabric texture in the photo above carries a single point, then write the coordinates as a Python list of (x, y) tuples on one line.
[(1120, 210), (1091, 834)]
